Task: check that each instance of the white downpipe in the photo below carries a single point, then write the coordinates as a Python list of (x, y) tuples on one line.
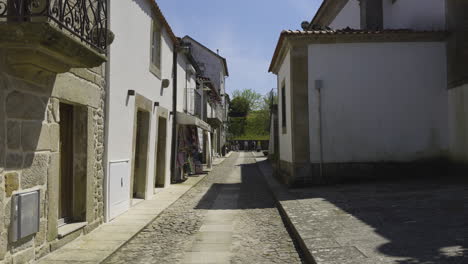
[(318, 87)]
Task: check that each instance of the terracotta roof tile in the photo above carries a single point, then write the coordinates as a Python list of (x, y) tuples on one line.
[(348, 32)]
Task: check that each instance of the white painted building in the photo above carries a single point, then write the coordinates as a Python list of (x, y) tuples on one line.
[(141, 138), (363, 91), (214, 68)]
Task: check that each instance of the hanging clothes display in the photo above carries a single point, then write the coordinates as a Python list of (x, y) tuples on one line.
[(189, 156)]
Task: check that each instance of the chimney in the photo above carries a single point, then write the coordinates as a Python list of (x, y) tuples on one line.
[(371, 14)]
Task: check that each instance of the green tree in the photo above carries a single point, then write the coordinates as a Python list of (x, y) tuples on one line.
[(239, 107), (236, 126), (254, 98)]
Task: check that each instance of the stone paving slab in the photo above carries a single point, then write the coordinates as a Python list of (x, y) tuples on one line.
[(106, 239), (401, 222), (230, 217)]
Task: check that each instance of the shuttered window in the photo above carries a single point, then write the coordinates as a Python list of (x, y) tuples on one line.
[(156, 49)]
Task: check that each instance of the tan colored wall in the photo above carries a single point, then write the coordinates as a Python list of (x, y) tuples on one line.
[(30, 158)]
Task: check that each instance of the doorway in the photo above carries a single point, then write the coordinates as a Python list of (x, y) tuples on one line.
[(161, 154), (73, 164), (66, 164), (141, 156)]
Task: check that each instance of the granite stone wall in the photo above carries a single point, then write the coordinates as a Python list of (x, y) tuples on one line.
[(30, 157)]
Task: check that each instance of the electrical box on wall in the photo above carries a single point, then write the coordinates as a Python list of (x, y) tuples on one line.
[(25, 213)]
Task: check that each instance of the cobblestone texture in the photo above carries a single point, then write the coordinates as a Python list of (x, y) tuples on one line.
[(259, 235), (380, 222)]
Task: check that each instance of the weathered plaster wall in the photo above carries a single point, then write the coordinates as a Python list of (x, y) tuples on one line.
[(133, 73), (211, 65), (30, 158), (348, 17), (393, 107), (414, 14), (284, 75), (458, 123)]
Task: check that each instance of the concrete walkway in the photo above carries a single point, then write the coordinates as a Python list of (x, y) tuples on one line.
[(398, 222), (212, 243), (99, 244)]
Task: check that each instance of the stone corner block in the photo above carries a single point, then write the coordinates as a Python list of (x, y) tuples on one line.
[(11, 183), (14, 134), (53, 196), (25, 106), (54, 137), (14, 161), (24, 257), (71, 88), (36, 169), (35, 136)]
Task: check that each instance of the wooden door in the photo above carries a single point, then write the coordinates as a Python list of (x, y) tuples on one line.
[(66, 163)]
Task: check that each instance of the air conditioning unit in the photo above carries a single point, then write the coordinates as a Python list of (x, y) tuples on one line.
[(25, 213)]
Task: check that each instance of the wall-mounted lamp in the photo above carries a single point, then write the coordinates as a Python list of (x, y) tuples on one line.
[(156, 104), (165, 83), (131, 93)]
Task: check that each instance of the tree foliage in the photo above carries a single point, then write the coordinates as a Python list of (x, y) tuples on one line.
[(239, 107), (250, 115), (254, 98)]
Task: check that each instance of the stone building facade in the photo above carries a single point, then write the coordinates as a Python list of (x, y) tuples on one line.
[(30, 155)]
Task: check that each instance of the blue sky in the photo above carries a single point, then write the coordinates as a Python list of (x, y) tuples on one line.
[(244, 31)]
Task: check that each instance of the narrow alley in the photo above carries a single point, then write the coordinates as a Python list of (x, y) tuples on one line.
[(229, 217)]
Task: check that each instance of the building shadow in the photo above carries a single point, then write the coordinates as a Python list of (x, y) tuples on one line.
[(238, 196), (410, 221)]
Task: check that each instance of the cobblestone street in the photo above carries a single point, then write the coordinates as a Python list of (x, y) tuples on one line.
[(229, 217)]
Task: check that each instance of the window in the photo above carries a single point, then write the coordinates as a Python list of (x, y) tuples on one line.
[(283, 107), (155, 64)]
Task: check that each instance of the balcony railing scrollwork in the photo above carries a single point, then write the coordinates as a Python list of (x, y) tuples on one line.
[(85, 19)]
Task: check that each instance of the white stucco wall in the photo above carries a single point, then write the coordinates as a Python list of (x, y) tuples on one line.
[(285, 141), (458, 120), (349, 16), (393, 107), (414, 14), (131, 23)]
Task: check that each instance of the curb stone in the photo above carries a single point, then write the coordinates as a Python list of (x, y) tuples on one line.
[(276, 189)]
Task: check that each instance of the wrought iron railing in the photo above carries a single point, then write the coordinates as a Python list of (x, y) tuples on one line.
[(86, 19)]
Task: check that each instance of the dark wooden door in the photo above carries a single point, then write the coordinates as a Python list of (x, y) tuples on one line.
[(66, 163), (161, 153)]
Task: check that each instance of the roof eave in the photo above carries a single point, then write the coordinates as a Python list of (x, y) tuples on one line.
[(224, 61), (305, 38), (163, 20)]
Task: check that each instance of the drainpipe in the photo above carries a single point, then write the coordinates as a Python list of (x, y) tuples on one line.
[(174, 115), (318, 87), (105, 158)]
